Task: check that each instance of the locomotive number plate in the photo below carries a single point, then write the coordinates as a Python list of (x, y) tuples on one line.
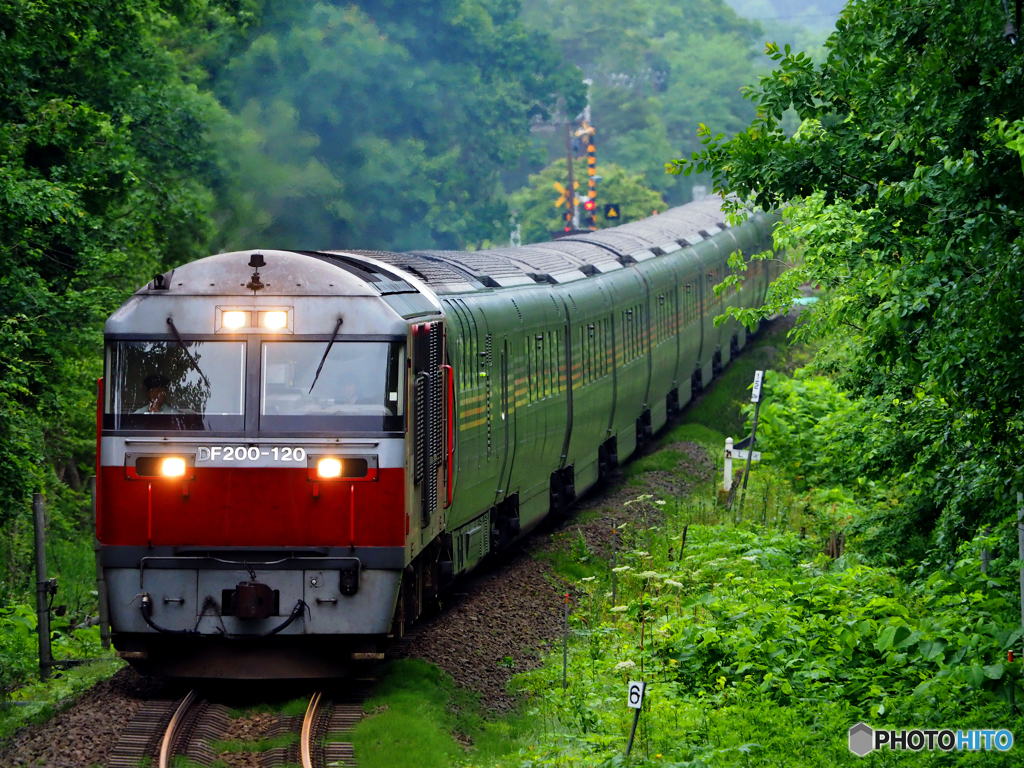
[(242, 453)]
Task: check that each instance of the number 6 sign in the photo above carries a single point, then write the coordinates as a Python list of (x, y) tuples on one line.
[(635, 697)]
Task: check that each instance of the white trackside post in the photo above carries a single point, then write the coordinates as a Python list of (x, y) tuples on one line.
[(727, 480)]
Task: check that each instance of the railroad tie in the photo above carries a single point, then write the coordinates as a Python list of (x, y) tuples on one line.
[(209, 723), (140, 740)]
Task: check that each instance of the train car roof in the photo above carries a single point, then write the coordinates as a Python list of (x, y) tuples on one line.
[(564, 260), (387, 274)]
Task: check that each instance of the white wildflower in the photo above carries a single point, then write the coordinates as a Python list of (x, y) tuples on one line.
[(660, 502), (589, 578), (622, 569), (673, 583), (625, 665), (641, 553), (648, 575), (619, 609)]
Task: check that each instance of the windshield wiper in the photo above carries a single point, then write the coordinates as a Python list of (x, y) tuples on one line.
[(192, 360), (327, 351)]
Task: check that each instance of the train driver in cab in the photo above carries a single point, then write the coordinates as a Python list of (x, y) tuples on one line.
[(156, 398)]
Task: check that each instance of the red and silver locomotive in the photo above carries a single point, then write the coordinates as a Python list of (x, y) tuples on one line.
[(299, 449)]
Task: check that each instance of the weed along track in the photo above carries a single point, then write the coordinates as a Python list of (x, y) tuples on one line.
[(195, 731)]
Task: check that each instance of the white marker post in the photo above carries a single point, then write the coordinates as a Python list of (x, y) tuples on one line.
[(736, 453), (727, 480), (755, 398), (635, 700)]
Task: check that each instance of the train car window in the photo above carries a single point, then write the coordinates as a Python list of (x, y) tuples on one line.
[(531, 367), (164, 385), (359, 390), (528, 369), (546, 364), (556, 363), (584, 357), (557, 358)]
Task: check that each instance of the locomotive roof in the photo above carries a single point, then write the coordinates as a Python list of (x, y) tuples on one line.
[(382, 273)]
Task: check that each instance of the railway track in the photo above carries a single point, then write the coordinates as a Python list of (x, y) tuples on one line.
[(195, 731)]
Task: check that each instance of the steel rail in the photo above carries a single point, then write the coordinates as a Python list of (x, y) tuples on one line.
[(168, 741), (308, 722)]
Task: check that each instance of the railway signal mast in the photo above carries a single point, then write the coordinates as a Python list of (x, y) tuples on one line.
[(586, 131)]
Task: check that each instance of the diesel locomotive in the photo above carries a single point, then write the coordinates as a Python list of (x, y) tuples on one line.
[(299, 449)]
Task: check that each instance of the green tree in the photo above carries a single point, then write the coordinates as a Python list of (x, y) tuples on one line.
[(106, 177), (904, 188), (534, 210), (382, 123), (658, 69)]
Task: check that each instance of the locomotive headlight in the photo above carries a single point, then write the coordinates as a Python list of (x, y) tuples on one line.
[(234, 319), (274, 320), (328, 468), (173, 467)]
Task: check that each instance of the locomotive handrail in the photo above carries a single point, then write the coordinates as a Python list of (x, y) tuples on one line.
[(450, 453)]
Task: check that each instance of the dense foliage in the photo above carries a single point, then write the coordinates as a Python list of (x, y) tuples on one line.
[(384, 123), (759, 650), (104, 174), (658, 69), (904, 189)]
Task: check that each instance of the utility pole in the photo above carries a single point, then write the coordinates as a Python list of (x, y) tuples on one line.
[(101, 582), (44, 587), (570, 198)]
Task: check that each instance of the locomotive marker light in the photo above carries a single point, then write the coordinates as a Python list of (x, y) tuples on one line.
[(173, 467), (235, 319), (328, 468), (274, 320)]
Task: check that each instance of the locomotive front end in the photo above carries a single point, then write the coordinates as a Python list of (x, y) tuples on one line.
[(254, 509)]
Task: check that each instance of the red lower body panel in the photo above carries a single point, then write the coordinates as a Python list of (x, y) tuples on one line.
[(258, 507)]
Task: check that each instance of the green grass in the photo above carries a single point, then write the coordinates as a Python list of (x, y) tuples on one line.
[(720, 407), (260, 745), (665, 460), (56, 694), (415, 710), (570, 562), (292, 708), (686, 432)]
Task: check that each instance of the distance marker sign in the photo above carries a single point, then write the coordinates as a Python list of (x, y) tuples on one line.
[(756, 395), (635, 695)]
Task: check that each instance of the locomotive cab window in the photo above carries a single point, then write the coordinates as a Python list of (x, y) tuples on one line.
[(195, 385), (359, 388)]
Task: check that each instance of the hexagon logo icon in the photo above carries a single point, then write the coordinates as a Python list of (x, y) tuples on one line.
[(862, 738)]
